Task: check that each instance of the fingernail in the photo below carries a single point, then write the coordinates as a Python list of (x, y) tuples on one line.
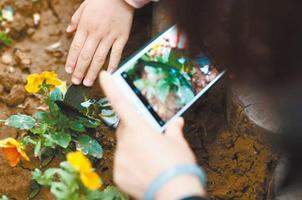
[(76, 81), (68, 28), (68, 70), (88, 82)]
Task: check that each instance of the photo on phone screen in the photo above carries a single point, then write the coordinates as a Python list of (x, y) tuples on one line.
[(166, 79)]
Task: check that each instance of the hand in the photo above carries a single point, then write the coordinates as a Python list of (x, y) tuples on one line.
[(143, 153), (100, 25)]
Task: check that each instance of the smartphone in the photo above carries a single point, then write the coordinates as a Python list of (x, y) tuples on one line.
[(163, 81)]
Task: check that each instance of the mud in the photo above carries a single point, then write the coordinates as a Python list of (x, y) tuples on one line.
[(238, 167)]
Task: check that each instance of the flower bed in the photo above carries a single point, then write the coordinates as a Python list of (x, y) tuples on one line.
[(65, 127)]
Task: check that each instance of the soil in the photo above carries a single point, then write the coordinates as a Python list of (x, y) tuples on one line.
[(238, 166)]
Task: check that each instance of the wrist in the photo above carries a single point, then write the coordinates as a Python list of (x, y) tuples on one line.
[(181, 187)]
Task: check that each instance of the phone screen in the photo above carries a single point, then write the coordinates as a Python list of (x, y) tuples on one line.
[(166, 79)]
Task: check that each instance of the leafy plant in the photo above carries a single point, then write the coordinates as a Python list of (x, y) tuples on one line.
[(67, 125), (67, 182), (69, 122)]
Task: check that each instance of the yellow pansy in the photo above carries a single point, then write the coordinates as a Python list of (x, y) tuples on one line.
[(34, 82), (91, 180), (13, 151), (51, 78), (81, 163)]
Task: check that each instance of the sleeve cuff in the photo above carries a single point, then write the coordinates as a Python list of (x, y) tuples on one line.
[(137, 3)]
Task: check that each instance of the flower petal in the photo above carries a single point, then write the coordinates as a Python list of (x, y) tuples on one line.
[(12, 155), (79, 161), (13, 143), (51, 78), (91, 180), (34, 81)]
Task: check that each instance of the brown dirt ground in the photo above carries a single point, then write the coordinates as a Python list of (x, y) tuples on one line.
[(238, 167)]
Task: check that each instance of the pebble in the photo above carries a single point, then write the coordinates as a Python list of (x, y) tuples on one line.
[(22, 59), (7, 58)]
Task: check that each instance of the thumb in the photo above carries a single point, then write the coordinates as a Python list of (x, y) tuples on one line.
[(175, 128), (124, 108)]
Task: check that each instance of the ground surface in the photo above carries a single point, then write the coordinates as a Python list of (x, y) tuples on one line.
[(238, 166)]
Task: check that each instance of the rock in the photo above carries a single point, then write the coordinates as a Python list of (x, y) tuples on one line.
[(7, 58), (15, 97), (31, 31), (251, 113), (55, 50), (9, 78), (31, 105), (22, 59)]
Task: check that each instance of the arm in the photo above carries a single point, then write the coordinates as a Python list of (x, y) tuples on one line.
[(144, 157)]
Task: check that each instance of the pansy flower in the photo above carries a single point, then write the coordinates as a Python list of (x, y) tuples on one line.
[(88, 176), (13, 151)]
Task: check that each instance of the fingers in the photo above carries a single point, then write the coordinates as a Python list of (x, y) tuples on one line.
[(75, 50), (175, 128), (124, 108), (116, 54), (76, 18), (98, 61), (84, 59)]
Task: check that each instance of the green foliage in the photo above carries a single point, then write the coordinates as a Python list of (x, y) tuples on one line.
[(89, 146), (64, 184), (63, 181), (67, 125), (22, 122), (5, 39)]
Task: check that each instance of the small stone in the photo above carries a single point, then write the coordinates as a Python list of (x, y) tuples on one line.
[(55, 50), (22, 59), (7, 58), (30, 31), (16, 96)]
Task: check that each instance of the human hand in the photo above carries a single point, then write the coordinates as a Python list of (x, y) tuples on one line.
[(100, 25), (143, 153)]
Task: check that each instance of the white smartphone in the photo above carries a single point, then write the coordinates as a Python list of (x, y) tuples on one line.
[(162, 81)]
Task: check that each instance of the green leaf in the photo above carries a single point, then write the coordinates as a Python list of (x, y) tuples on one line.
[(45, 178), (5, 39), (77, 126), (56, 95), (20, 121), (40, 115), (89, 146), (61, 139), (40, 130)]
